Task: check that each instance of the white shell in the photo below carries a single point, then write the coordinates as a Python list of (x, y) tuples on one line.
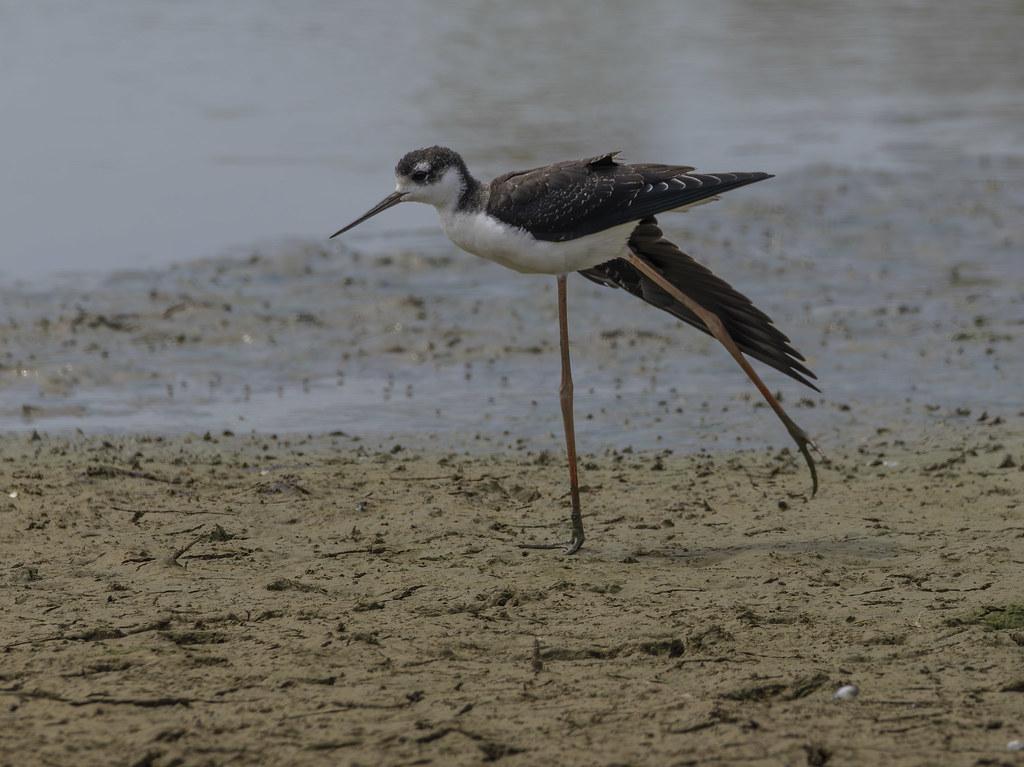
[(847, 692), (1015, 745)]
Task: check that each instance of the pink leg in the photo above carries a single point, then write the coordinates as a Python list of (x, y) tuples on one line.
[(565, 395)]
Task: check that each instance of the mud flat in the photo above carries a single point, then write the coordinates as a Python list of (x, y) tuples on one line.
[(906, 302), (240, 599)]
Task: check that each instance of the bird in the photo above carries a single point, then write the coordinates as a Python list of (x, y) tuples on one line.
[(598, 217)]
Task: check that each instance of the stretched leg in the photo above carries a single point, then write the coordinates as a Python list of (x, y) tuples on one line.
[(714, 324), (565, 395)]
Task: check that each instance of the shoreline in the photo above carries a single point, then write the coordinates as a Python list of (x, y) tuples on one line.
[(295, 600)]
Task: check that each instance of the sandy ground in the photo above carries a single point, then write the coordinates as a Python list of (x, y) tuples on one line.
[(242, 600)]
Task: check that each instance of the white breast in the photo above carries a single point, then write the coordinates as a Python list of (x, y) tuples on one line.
[(517, 249)]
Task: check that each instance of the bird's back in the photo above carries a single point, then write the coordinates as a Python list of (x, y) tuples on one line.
[(568, 200)]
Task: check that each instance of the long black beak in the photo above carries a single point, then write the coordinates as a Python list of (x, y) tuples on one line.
[(388, 202)]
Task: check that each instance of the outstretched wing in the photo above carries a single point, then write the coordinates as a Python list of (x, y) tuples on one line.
[(751, 329), (580, 197)]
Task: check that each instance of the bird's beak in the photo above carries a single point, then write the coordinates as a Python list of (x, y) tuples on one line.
[(388, 202)]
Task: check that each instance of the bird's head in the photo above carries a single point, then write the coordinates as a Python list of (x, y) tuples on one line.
[(435, 175)]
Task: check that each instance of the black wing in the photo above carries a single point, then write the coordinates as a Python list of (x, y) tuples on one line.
[(750, 328), (580, 197)]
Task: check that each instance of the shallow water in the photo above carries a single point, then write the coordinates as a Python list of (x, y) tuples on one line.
[(875, 279), (189, 159)]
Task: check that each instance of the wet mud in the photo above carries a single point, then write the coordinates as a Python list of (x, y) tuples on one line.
[(218, 599)]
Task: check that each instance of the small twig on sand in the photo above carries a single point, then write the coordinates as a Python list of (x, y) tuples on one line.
[(173, 559), (340, 708), (343, 552), (96, 634), (102, 699), (110, 472), (140, 513)]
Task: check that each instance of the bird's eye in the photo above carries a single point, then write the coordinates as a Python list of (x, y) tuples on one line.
[(419, 176)]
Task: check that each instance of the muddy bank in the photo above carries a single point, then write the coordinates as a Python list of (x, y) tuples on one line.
[(237, 599), (904, 294)]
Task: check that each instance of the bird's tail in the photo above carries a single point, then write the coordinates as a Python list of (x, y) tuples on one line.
[(751, 329)]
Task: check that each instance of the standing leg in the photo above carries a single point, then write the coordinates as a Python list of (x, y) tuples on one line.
[(565, 395)]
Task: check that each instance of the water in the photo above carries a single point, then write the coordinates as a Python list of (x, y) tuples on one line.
[(146, 133), (150, 149)]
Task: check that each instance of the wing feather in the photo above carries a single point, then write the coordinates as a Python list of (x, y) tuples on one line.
[(572, 199)]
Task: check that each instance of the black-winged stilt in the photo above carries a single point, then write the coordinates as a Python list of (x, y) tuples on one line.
[(596, 217)]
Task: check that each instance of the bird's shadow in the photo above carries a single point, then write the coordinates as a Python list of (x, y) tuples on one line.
[(866, 550)]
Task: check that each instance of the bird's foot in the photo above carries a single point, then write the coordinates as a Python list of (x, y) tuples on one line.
[(805, 444), (568, 548), (575, 542)]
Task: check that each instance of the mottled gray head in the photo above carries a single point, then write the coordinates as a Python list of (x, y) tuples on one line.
[(435, 175)]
